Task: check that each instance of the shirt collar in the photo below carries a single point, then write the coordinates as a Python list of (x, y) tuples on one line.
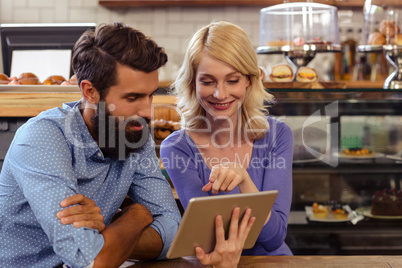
[(81, 136)]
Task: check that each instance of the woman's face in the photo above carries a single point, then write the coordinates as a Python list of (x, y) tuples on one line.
[(220, 88)]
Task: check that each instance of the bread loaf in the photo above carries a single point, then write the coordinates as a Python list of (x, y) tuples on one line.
[(28, 79), (375, 39), (4, 79)]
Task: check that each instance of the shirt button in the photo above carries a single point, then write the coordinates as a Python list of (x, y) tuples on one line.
[(99, 154)]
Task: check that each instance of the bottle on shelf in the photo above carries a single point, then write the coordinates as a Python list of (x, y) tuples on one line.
[(361, 70), (349, 54), (338, 63), (379, 69)]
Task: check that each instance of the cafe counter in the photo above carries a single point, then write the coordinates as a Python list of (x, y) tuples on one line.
[(285, 261), (29, 101)]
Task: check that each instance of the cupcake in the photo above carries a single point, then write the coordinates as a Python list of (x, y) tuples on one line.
[(320, 211)]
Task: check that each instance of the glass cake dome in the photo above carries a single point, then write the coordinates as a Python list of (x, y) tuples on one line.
[(383, 22), (292, 26), (382, 33)]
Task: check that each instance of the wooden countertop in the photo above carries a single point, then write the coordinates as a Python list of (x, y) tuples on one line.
[(29, 101), (288, 261), (22, 103)]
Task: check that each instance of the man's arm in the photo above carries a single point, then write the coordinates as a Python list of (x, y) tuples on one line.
[(149, 245), (81, 211), (121, 236)]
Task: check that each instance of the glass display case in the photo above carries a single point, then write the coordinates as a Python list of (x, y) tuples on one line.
[(325, 123)]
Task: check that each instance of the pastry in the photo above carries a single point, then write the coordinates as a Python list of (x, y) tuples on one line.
[(71, 81), (161, 134), (387, 202), (376, 39), (278, 43), (318, 41), (48, 82), (163, 128), (13, 81), (4, 79), (389, 28), (28, 79), (319, 211), (397, 40), (340, 214), (58, 79)]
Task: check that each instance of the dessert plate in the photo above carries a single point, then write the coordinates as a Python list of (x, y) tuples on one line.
[(396, 157), (366, 211), (370, 156), (329, 218), (301, 161)]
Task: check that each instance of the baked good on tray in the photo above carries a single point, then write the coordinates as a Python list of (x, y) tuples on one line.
[(54, 80), (4, 79), (28, 79), (387, 202), (320, 211), (329, 210), (340, 214), (357, 152), (163, 128)]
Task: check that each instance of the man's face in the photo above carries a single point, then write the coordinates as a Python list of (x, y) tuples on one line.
[(121, 120)]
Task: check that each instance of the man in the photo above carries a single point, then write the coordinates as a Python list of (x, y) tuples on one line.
[(67, 165)]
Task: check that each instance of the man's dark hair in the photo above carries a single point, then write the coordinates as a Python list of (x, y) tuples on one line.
[(97, 52)]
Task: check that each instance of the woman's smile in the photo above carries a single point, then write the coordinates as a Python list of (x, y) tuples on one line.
[(221, 106)]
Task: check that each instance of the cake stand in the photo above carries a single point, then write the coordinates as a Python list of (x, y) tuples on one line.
[(393, 53), (299, 56)]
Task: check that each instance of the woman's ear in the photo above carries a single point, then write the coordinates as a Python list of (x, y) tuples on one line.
[(89, 92), (248, 81)]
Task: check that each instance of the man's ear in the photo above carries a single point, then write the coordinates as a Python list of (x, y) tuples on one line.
[(89, 92)]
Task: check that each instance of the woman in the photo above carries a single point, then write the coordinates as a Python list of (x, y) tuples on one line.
[(227, 144)]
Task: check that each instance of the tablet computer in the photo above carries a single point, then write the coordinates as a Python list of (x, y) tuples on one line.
[(197, 227)]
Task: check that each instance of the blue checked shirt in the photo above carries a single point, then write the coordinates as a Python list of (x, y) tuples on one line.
[(53, 156)]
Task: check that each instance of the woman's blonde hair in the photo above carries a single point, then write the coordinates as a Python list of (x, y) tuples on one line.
[(229, 43)]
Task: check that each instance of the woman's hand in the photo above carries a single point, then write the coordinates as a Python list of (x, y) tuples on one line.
[(81, 212), (225, 177), (227, 253)]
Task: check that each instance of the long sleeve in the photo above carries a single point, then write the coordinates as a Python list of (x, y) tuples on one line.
[(41, 161), (151, 189), (277, 150), (270, 168)]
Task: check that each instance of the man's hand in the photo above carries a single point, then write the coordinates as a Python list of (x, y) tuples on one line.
[(82, 213), (227, 253)]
